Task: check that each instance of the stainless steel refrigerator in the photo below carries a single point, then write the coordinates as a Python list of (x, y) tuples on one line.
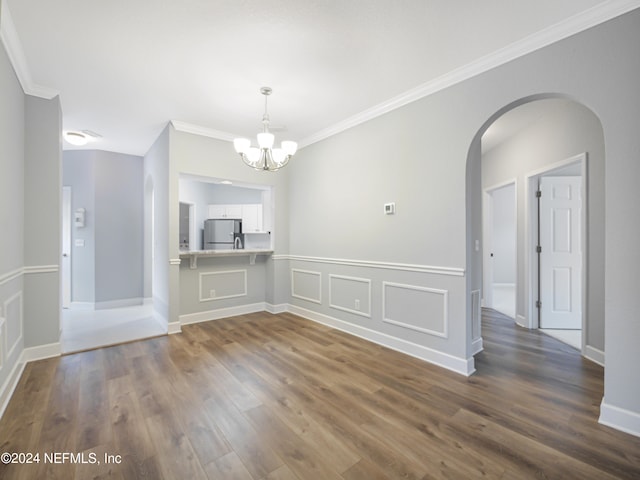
[(222, 234)]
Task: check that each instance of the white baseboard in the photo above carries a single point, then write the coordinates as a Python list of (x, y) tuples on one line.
[(456, 364), (173, 327), (522, 321), (10, 385), (476, 346), (119, 303), (41, 352), (280, 308), (222, 313), (619, 418), (81, 306), (593, 354), (28, 355)]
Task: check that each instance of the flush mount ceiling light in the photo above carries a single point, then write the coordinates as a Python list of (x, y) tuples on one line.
[(76, 138), (80, 138), (264, 156)]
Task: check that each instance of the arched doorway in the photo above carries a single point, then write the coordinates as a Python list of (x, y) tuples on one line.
[(523, 142)]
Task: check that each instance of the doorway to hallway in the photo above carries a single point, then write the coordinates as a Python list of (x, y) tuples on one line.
[(500, 247)]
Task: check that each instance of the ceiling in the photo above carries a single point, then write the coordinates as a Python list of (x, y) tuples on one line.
[(125, 68)]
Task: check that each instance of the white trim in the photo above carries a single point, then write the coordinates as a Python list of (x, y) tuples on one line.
[(275, 309), (456, 364), (477, 346), (3, 346), (476, 320), (522, 321), (554, 33), (175, 261), (455, 271), (173, 327), (219, 313), (10, 384), (12, 275), (40, 269), (352, 310), (186, 127), (119, 303), (16, 55), (18, 272), (41, 352), (594, 354), (301, 297), (10, 350), (82, 306), (619, 418), (445, 309), (235, 295)]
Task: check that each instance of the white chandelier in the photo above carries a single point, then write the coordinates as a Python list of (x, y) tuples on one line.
[(264, 156)]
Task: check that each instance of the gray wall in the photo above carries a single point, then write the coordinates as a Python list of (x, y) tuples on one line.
[(12, 137), (42, 219), (565, 130), (119, 227), (109, 186), (418, 156), (78, 172), (156, 224)]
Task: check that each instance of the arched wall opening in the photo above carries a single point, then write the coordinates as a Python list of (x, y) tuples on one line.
[(540, 135)]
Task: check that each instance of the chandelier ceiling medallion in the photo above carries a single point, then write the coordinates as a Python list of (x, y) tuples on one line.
[(264, 156)]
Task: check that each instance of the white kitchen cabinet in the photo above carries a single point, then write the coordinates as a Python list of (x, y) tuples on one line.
[(252, 218), (224, 211)]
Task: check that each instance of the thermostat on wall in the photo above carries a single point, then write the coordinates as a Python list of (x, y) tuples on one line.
[(389, 208)]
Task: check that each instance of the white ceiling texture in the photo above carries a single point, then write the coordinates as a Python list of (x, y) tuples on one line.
[(124, 68)]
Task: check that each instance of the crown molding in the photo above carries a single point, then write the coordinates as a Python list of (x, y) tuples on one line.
[(202, 131), (12, 45), (554, 33)]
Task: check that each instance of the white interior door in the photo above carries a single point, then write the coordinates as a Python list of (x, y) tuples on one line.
[(561, 256), (66, 247)]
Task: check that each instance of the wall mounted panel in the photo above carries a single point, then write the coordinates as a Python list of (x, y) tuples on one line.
[(224, 284), (350, 294), (13, 322), (416, 308), (306, 285)]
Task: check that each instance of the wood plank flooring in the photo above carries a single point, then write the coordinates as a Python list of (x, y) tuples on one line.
[(277, 397)]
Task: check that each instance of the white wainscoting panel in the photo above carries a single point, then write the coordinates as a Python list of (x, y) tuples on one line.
[(13, 313), (2, 342), (223, 284), (401, 302), (350, 294), (306, 285), (476, 315)]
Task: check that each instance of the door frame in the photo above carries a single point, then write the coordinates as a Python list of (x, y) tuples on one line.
[(531, 237), (487, 240), (66, 248)]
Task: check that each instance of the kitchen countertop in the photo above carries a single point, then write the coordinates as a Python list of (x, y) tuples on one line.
[(251, 252)]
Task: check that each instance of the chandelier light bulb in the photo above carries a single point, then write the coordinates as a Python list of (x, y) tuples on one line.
[(265, 140), (289, 147), (242, 145)]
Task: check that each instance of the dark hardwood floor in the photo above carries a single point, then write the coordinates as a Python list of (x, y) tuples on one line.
[(278, 397)]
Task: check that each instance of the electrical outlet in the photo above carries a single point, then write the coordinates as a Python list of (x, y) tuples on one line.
[(212, 294), (357, 304)]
